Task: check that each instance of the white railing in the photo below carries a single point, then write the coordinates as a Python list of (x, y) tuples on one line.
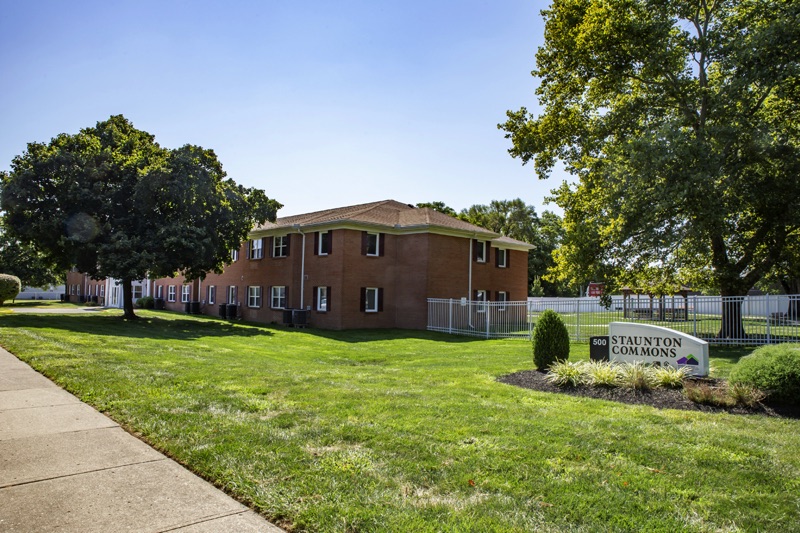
[(765, 319)]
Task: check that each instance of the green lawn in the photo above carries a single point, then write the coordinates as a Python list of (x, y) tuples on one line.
[(409, 431)]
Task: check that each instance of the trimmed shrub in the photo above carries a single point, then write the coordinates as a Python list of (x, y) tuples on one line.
[(10, 287), (774, 369), (550, 340), (146, 302)]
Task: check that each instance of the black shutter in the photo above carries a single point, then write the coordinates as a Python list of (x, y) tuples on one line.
[(363, 304), (314, 299), (508, 258), (269, 292), (364, 242), (474, 249), (488, 252), (270, 241), (328, 307), (497, 296), (330, 242), (382, 244), (249, 244), (380, 300), (497, 257), (316, 243)]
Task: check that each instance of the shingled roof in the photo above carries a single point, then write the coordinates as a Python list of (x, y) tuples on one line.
[(388, 214)]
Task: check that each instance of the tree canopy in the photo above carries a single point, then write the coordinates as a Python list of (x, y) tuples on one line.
[(24, 261), (680, 120), (112, 202)]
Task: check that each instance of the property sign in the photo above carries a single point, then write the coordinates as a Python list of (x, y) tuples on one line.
[(596, 289), (656, 345)]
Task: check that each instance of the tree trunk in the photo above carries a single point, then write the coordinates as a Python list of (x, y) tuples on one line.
[(732, 322), (127, 299)]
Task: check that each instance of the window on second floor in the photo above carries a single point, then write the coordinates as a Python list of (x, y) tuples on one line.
[(235, 255), (256, 248), (502, 258), (480, 251), (322, 243), (372, 244), (280, 246)]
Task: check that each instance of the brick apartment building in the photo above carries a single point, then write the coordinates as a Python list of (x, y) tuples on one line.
[(363, 266)]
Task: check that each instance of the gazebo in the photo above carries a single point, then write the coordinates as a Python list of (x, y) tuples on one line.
[(640, 304)]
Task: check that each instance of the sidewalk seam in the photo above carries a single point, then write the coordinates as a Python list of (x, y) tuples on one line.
[(22, 483)]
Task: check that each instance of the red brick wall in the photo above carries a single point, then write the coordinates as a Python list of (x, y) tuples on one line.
[(412, 268)]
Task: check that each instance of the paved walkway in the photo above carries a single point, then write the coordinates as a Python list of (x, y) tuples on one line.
[(66, 467)]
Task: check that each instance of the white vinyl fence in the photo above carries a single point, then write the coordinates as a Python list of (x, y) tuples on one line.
[(766, 319)]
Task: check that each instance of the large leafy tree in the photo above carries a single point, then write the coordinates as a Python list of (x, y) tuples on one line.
[(112, 202), (24, 261), (680, 120)]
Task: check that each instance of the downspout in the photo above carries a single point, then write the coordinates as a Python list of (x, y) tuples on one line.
[(469, 283), (302, 267)]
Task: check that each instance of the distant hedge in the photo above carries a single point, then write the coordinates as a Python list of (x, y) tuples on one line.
[(10, 287)]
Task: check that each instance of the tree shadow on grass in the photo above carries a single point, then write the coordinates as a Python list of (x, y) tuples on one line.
[(146, 327), (372, 335)]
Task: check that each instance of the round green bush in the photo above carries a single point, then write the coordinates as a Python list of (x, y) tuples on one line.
[(774, 369), (145, 302), (550, 340), (10, 286)]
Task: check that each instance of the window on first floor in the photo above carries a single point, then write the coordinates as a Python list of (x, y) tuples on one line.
[(371, 299), (159, 291), (171, 293), (480, 297), (232, 294), (212, 294), (253, 296), (137, 292), (321, 296), (102, 290), (277, 297), (186, 293), (502, 298)]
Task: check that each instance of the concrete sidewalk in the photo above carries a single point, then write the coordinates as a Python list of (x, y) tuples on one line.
[(66, 467)]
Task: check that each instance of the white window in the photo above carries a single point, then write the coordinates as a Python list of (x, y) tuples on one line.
[(280, 246), (480, 251), (186, 293), (480, 296), (501, 258), (103, 291), (502, 298), (114, 296), (232, 294), (373, 244), (212, 294), (324, 243), (137, 292), (159, 291), (322, 299), (256, 249), (371, 303), (171, 293), (253, 296), (278, 297), (235, 255)]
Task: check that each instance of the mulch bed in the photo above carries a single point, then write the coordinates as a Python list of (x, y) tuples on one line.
[(660, 398)]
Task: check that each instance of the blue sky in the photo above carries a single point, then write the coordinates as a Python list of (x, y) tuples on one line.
[(321, 104)]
